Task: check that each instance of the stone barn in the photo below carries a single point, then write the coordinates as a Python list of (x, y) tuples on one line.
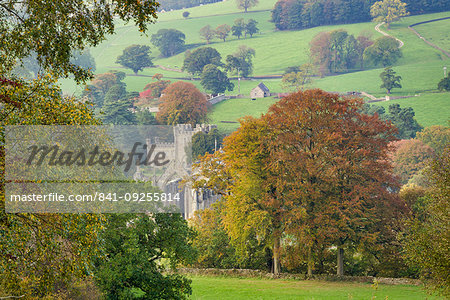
[(260, 91)]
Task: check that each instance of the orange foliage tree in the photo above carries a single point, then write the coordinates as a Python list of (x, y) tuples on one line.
[(311, 173), (182, 103)]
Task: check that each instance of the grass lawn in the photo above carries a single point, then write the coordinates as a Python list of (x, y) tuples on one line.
[(430, 109), (235, 288), (232, 109), (436, 32)]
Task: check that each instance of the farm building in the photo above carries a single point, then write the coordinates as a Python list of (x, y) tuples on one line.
[(260, 91)]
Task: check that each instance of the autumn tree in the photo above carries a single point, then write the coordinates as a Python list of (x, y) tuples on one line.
[(410, 157), (298, 78), (388, 11), (214, 80), (222, 31), (287, 14), (195, 61), (182, 103), (390, 80), (337, 51), (157, 86), (135, 57), (246, 4), (287, 174), (99, 88), (436, 136), (427, 245), (327, 204), (42, 253), (207, 33)]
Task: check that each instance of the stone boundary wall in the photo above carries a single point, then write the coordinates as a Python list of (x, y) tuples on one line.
[(247, 273), (426, 41), (218, 99)]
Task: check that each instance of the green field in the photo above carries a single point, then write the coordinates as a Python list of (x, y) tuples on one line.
[(436, 32), (430, 109), (232, 109), (421, 66), (235, 288)]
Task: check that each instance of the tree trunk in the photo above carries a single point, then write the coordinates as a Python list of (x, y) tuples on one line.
[(310, 263), (388, 91), (340, 261), (276, 256)]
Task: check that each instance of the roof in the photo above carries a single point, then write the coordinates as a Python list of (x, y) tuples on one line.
[(263, 87)]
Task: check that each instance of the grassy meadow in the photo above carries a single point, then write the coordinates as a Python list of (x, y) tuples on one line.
[(421, 66), (205, 288), (436, 32)]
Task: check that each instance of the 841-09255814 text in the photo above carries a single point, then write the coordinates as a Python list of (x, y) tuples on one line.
[(102, 197)]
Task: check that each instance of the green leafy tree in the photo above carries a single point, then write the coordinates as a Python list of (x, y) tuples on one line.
[(214, 245), (298, 78), (238, 28), (444, 84), (135, 57), (136, 246), (246, 4), (214, 80), (118, 112), (199, 58), (403, 119), (436, 136), (203, 143), (115, 93), (390, 80), (83, 59), (388, 11), (427, 244), (385, 51), (169, 41), (287, 15), (43, 253), (251, 28), (207, 33), (144, 117), (336, 51), (223, 31), (53, 36), (101, 84), (241, 61)]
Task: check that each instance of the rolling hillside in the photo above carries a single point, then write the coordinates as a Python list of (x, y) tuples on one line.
[(420, 67)]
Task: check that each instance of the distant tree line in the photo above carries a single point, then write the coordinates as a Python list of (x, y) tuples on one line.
[(240, 28), (339, 52), (298, 14), (179, 4)]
